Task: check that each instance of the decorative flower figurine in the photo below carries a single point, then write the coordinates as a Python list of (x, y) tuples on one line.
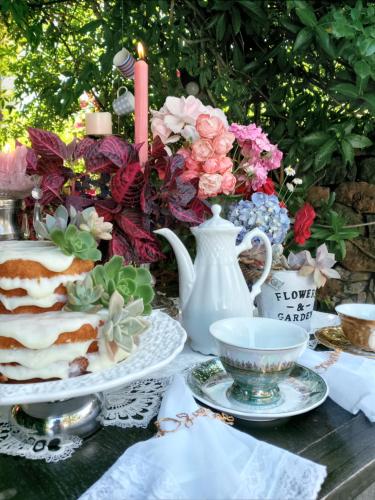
[(320, 267), (263, 212), (123, 324)]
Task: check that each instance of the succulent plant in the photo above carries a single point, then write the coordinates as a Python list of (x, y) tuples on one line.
[(130, 282), (83, 295), (123, 324), (72, 241), (57, 221), (90, 221)]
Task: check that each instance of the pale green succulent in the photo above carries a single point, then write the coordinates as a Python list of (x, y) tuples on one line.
[(72, 241), (57, 221), (130, 282), (83, 295), (123, 323)]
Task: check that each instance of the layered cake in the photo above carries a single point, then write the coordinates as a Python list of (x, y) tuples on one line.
[(38, 340), (33, 275)]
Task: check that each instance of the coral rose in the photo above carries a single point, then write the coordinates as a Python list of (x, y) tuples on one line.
[(225, 165), (202, 150), (208, 126), (304, 219), (228, 183), (223, 143), (209, 185), (211, 166)]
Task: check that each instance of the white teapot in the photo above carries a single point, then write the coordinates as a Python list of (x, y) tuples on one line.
[(213, 287)]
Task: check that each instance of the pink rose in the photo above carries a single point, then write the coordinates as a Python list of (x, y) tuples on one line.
[(225, 164), (209, 126), (184, 152), (159, 128), (223, 143), (188, 175), (209, 185), (191, 164), (202, 150), (228, 183), (211, 166)]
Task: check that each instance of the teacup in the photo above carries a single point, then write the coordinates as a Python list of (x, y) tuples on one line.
[(124, 103), (358, 324), (124, 62), (258, 353)]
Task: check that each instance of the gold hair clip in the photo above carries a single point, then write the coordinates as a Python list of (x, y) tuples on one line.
[(186, 420)]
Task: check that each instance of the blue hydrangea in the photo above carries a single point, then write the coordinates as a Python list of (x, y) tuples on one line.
[(264, 212)]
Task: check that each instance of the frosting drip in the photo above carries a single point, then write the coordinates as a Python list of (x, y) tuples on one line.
[(39, 287), (31, 358), (43, 252), (12, 303), (43, 331)]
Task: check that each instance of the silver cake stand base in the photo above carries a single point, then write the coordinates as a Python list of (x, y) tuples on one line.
[(71, 417)]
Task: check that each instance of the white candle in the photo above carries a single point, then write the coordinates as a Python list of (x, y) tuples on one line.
[(98, 123)]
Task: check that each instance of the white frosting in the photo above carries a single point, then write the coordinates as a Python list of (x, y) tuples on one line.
[(61, 369), (39, 287), (42, 330), (43, 252), (12, 303), (41, 358)]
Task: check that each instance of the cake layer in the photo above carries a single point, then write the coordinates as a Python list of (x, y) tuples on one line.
[(16, 303), (38, 287), (40, 358), (26, 330), (25, 268), (16, 373), (46, 253), (19, 292), (32, 309)]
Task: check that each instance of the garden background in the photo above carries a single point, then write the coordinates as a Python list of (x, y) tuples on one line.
[(303, 70)]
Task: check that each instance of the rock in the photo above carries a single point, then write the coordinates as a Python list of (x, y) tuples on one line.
[(350, 216), (359, 195), (318, 194), (362, 297), (360, 276), (344, 273), (332, 288), (356, 260), (371, 229), (366, 170), (356, 288), (337, 172)]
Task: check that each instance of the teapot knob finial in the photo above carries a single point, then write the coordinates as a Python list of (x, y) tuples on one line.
[(216, 210)]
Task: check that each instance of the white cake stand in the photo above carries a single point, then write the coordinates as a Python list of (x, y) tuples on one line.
[(71, 406)]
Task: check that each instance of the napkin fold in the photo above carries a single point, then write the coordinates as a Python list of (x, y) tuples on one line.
[(350, 378), (207, 459)]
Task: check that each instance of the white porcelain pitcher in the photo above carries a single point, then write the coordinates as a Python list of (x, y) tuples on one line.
[(213, 287)]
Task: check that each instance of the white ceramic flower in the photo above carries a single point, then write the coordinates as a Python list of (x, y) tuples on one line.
[(320, 267), (91, 222)]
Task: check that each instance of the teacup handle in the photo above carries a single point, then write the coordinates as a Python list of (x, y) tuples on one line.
[(246, 245), (119, 90)]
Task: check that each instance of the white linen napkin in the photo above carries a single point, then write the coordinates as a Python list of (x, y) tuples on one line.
[(207, 460), (350, 378)]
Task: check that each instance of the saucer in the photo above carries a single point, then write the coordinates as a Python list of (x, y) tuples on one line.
[(334, 338), (301, 392)]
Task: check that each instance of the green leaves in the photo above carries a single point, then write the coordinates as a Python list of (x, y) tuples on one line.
[(346, 89), (324, 153), (72, 241), (303, 39), (358, 141), (306, 15)]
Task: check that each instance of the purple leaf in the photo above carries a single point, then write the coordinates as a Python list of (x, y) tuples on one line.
[(51, 187), (127, 185), (47, 144), (184, 192), (118, 245), (107, 209), (118, 151), (78, 202), (84, 146), (71, 149), (183, 214)]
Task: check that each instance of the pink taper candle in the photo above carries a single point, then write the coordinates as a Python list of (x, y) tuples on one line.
[(141, 104)]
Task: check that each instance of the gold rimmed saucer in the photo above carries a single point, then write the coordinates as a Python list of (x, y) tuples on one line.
[(334, 338)]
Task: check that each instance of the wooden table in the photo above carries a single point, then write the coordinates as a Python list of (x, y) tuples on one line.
[(328, 435)]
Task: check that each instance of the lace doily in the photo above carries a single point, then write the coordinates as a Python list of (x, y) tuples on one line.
[(133, 405)]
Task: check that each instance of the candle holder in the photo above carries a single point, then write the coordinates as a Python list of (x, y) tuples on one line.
[(9, 227)]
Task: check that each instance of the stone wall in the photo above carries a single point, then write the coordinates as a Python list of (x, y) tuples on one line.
[(355, 201)]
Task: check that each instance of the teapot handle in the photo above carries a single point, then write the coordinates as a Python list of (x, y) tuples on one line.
[(246, 245)]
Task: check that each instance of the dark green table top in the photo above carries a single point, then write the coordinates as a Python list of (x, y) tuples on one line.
[(328, 435)]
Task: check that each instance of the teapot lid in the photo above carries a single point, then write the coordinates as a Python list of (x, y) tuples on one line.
[(216, 221)]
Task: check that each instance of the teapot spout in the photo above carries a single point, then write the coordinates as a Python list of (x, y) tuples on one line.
[(185, 265)]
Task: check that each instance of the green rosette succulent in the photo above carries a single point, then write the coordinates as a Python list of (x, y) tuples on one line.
[(83, 295), (123, 324), (72, 241), (130, 282)]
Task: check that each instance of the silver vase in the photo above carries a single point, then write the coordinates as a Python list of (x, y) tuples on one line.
[(9, 227)]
